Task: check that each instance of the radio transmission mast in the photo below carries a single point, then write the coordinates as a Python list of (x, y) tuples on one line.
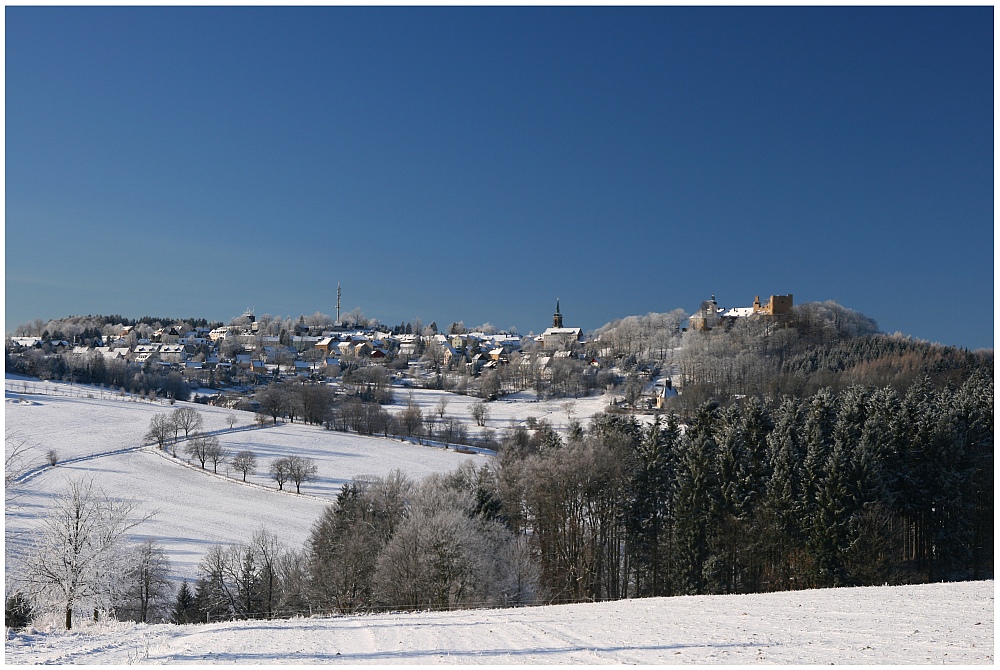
[(338, 302)]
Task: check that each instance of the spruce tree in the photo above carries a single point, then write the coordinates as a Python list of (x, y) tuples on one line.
[(781, 511), (820, 416), (185, 607), (694, 486), (647, 508)]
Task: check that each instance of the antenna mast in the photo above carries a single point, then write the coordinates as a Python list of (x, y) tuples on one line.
[(338, 302)]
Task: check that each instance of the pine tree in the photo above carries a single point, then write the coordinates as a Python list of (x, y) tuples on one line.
[(974, 405), (694, 485), (185, 607), (647, 509), (820, 416), (781, 512), (870, 530)]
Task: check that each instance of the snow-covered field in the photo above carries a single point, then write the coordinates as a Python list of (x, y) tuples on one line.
[(514, 408), (101, 438), (99, 434), (932, 623)]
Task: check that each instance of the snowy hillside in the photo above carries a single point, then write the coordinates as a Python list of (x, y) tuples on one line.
[(515, 408), (102, 437), (933, 623)]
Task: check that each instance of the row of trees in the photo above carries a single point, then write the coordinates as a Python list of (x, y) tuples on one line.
[(387, 543), (362, 413), (548, 377), (818, 345), (857, 488), (166, 428), (315, 403), (86, 329), (94, 369), (861, 487)]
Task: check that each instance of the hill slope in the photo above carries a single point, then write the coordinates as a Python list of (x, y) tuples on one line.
[(101, 438)]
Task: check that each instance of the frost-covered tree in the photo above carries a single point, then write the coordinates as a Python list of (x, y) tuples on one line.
[(245, 579), (79, 557), (442, 556), (346, 540)]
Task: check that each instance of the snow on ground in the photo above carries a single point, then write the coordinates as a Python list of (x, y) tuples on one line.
[(101, 438), (514, 408), (931, 623)]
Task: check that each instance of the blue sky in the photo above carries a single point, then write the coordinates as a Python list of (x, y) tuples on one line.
[(477, 163)]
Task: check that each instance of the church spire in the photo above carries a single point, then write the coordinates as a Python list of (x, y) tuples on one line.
[(557, 317)]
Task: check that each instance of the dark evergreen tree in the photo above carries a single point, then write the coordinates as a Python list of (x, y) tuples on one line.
[(782, 509), (735, 533), (820, 417), (17, 611), (868, 557), (185, 606), (647, 513), (973, 412), (695, 485)]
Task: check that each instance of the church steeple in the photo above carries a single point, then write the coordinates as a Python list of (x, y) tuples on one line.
[(557, 317)]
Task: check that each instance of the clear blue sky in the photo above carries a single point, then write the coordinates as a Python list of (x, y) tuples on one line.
[(477, 163)]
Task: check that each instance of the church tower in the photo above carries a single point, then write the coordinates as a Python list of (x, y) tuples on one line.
[(557, 317)]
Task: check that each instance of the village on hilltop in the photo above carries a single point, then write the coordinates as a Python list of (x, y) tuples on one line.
[(251, 352)]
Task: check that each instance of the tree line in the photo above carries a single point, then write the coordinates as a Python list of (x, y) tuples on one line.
[(93, 369), (864, 486), (861, 487), (165, 429), (387, 543), (818, 345)]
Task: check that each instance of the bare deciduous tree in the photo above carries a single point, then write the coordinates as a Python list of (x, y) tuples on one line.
[(279, 472), (161, 427), (147, 595), (245, 462), (411, 420), (16, 462), (480, 412), (216, 454), (204, 448), (188, 419), (273, 402), (301, 470)]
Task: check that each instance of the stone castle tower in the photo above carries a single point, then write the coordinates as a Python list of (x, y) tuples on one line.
[(557, 317)]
